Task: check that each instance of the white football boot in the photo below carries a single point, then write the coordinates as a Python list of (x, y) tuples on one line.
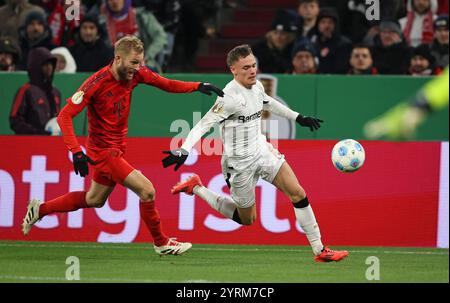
[(172, 247), (32, 215)]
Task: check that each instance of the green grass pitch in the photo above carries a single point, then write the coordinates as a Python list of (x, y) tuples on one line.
[(137, 262)]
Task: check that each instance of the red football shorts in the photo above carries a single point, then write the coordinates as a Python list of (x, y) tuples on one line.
[(110, 167)]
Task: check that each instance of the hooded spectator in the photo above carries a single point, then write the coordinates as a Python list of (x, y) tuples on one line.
[(9, 54), (304, 58), (334, 49), (37, 101), (13, 14), (361, 61), (439, 47), (422, 62), (64, 60), (35, 33), (389, 50), (417, 26), (90, 50), (274, 51)]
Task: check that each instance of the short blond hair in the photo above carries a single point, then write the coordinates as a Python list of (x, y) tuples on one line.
[(128, 43)]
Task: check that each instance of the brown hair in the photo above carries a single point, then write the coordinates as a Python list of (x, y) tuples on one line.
[(125, 44), (240, 51)]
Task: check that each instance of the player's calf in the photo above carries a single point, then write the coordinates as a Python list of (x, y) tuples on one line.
[(245, 216)]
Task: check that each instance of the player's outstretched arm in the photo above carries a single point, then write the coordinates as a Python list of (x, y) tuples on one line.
[(220, 111), (272, 105), (179, 156), (147, 76)]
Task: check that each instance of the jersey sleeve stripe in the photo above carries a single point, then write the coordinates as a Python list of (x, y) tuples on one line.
[(19, 99)]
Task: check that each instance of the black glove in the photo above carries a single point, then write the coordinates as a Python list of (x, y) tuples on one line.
[(177, 157), (207, 88), (80, 163), (311, 122)]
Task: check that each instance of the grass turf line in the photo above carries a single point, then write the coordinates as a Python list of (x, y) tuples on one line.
[(137, 262)]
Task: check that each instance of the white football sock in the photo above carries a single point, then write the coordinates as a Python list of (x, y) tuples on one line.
[(307, 220), (223, 205)]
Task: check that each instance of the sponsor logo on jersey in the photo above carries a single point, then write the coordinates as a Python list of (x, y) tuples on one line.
[(251, 117)]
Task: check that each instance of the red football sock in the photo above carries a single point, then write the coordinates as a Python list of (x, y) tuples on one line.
[(66, 203), (150, 216)]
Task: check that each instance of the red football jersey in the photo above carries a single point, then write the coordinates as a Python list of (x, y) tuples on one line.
[(108, 101)]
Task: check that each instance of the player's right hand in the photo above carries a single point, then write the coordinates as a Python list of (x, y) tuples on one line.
[(177, 157), (80, 163)]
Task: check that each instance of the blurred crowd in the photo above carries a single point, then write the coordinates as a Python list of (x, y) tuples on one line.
[(170, 30), (410, 37), (335, 37), (318, 36)]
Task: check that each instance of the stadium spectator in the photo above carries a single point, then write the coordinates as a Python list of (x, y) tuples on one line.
[(354, 23), (90, 50), (9, 54), (442, 7), (304, 58), (274, 52), (439, 47), (13, 15), (194, 16), (361, 62), (422, 62), (389, 51), (417, 26), (62, 28), (37, 101), (35, 33), (64, 60), (168, 13), (308, 10), (334, 49), (121, 19)]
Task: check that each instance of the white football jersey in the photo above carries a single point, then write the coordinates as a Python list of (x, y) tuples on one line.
[(239, 116)]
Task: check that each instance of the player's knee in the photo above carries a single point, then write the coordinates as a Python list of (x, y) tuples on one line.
[(297, 194), (93, 201), (148, 194)]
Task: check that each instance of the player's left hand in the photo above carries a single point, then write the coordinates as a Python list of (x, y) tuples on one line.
[(177, 157), (207, 88), (311, 122)]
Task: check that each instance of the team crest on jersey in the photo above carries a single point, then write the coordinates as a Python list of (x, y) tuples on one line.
[(217, 108), (77, 98)]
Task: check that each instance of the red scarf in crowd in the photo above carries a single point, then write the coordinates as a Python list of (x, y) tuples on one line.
[(427, 27), (122, 26), (59, 24)]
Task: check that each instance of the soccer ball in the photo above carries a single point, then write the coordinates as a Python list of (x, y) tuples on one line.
[(53, 127), (348, 155)]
